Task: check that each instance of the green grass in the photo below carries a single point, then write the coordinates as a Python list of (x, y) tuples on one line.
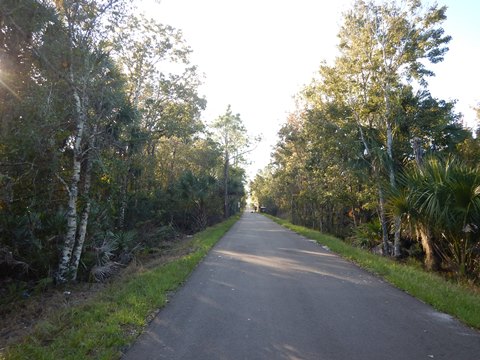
[(107, 324), (459, 300)]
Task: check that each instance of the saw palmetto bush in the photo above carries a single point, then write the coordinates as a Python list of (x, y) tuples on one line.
[(367, 235), (440, 204)]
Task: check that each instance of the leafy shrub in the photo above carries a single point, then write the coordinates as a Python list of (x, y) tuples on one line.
[(368, 235)]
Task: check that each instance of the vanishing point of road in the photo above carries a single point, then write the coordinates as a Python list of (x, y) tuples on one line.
[(265, 292)]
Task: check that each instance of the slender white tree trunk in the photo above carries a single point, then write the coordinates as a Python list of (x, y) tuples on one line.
[(391, 170), (124, 191), (123, 201), (82, 231), (225, 176), (63, 272), (384, 223)]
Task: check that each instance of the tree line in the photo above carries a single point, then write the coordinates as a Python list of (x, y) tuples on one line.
[(371, 156), (102, 148)]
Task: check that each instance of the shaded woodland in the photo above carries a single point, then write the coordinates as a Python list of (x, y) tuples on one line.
[(103, 153)]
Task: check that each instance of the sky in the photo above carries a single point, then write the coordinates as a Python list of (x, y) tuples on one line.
[(258, 54)]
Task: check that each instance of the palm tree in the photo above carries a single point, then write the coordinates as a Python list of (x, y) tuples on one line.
[(402, 201), (440, 200)]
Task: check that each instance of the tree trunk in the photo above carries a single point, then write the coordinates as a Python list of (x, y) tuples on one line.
[(397, 250), (417, 151), (201, 218), (63, 272), (82, 231), (391, 170), (383, 221), (123, 198), (225, 184), (431, 260)]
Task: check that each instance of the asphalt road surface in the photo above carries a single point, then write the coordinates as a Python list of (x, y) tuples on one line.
[(267, 293)]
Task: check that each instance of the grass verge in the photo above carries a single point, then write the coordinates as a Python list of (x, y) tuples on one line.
[(450, 297), (106, 325)]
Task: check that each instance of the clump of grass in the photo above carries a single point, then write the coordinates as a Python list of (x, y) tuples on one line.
[(456, 299), (106, 325)]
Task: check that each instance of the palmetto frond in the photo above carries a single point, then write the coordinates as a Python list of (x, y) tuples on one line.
[(443, 196)]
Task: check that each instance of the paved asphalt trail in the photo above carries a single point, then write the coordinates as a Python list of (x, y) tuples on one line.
[(266, 293)]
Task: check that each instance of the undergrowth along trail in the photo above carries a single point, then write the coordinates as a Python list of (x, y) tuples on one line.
[(105, 326)]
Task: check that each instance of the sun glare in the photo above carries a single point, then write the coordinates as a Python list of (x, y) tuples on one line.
[(5, 85)]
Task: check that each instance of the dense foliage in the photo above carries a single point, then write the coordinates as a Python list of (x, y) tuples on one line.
[(102, 150), (371, 156)]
